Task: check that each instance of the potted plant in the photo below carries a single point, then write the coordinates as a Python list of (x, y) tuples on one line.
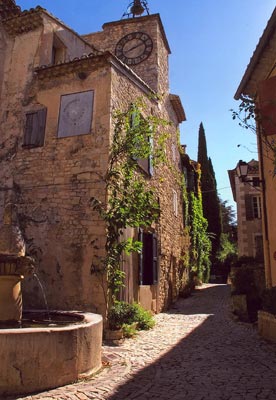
[(125, 319)]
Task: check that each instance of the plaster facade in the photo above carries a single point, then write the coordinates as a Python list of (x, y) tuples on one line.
[(249, 212), (52, 177), (259, 82)]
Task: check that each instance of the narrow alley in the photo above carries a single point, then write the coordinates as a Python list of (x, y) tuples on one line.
[(196, 351)]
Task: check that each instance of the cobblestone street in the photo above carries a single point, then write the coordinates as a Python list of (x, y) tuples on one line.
[(196, 351)]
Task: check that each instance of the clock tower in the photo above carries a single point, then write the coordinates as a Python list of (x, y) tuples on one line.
[(138, 41)]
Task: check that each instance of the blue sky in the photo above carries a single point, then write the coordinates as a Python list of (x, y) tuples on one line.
[(212, 42)]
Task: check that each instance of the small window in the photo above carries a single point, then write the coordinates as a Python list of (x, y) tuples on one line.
[(175, 203), (148, 263), (253, 207), (34, 132), (256, 202), (75, 116), (58, 51)]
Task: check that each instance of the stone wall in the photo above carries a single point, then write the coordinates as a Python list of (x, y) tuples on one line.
[(54, 183), (154, 70)]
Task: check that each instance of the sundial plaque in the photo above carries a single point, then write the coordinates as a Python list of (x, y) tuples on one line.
[(75, 115)]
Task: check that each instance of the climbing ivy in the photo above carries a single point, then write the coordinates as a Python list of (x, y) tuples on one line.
[(132, 202), (200, 242)]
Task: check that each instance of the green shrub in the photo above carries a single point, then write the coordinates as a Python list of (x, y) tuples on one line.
[(129, 330), (143, 317), (269, 300), (122, 313)]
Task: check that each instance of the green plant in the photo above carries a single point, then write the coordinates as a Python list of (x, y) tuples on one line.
[(123, 313), (269, 300), (131, 202), (143, 317), (200, 241), (228, 248), (129, 330), (120, 313)]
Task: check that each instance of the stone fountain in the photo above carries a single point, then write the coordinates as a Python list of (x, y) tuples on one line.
[(39, 355), (14, 265)]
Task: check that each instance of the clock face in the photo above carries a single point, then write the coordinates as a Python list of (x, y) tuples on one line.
[(134, 48)]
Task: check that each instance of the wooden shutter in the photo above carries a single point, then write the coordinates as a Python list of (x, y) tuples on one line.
[(267, 105), (248, 207), (35, 128), (155, 258)]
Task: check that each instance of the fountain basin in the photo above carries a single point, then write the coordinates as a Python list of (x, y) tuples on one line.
[(39, 358)]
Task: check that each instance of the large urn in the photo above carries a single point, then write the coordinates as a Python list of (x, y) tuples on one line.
[(14, 264)]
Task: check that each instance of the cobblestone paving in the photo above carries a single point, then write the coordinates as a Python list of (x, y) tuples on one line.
[(196, 351)]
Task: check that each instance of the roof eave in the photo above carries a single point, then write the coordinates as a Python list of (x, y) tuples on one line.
[(256, 55)]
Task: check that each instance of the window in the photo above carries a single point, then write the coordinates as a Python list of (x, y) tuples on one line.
[(256, 202), (148, 263), (175, 203), (75, 116), (34, 131), (58, 51), (253, 207)]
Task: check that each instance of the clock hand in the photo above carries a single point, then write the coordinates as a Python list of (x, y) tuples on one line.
[(134, 47)]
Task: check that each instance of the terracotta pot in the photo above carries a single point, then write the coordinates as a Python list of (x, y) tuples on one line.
[(10, 298), (113, 334)]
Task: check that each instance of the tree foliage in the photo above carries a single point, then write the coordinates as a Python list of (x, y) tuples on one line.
[(210, 199)]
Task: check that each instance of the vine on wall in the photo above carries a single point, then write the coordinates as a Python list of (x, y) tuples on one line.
[(131, 201), (197, 261)]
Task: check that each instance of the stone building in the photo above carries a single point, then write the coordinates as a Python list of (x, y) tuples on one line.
[(58, 91), (247, 195), (259, 84)]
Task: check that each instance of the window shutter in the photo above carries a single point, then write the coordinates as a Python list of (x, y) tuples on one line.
[(35, 128), (28, 129), (267, 105), (248, 207), (155, 258), (41, 122)]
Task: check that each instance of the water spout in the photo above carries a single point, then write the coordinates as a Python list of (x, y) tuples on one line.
[(43, 294)]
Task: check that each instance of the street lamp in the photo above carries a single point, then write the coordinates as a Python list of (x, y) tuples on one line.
[(242, 172)]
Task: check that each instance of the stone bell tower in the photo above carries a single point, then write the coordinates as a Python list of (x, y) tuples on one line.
[(139, 41)]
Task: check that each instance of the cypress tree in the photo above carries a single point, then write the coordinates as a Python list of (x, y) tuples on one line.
[(210, 199)]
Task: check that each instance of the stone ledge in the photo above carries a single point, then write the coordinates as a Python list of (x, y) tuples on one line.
[(267, 325)]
